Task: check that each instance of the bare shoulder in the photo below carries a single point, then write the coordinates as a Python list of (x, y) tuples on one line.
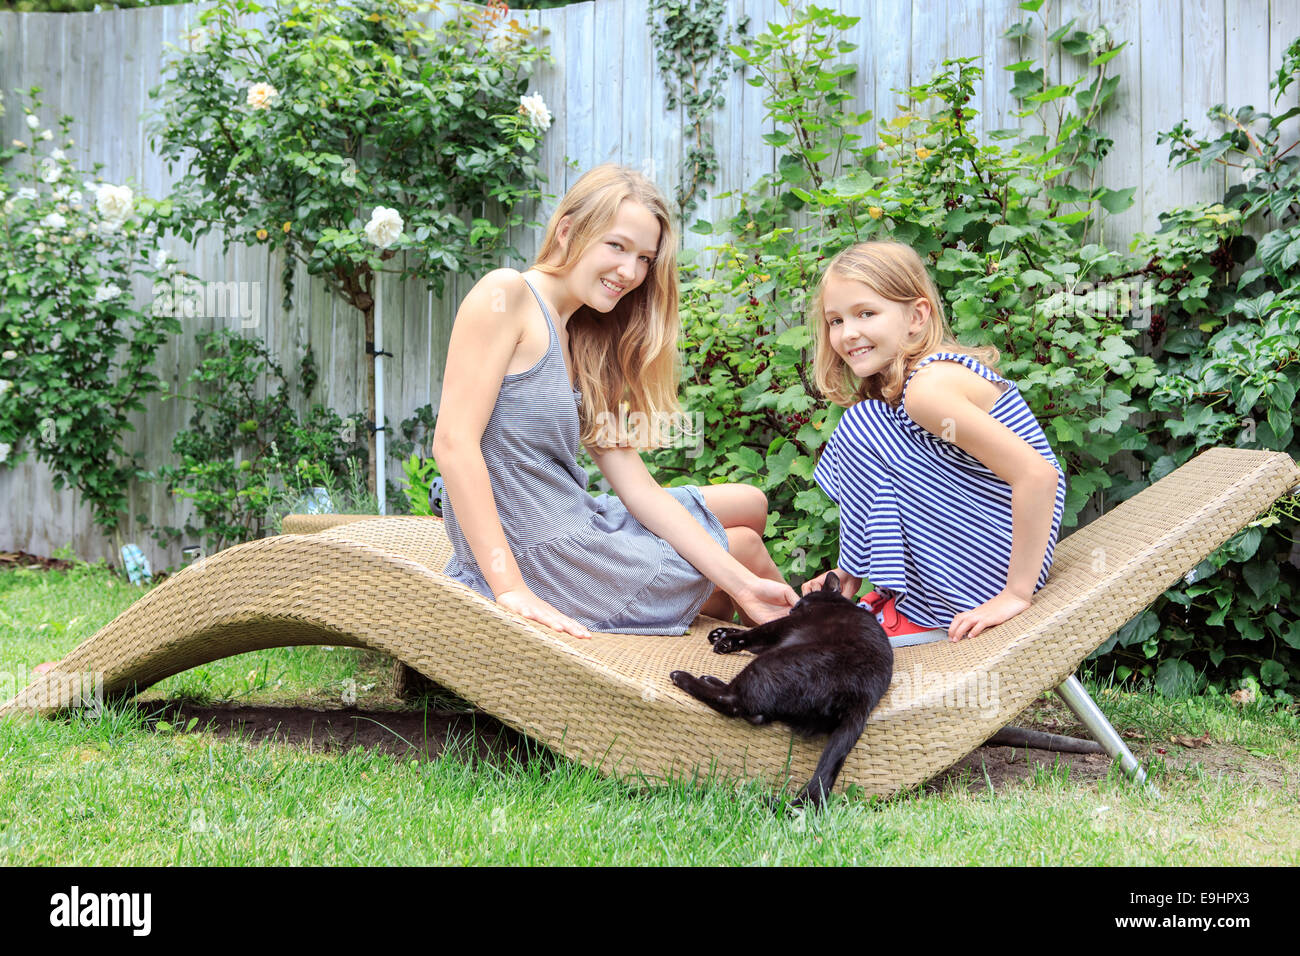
[(498, 294), (933, 390), (944, 376)]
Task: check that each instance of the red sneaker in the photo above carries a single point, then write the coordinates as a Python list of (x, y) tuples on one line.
[(891, 619)]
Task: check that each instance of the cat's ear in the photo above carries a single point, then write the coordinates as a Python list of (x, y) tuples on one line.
[(832, 582)]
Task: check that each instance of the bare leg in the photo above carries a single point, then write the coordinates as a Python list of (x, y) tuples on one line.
[(742, 509), (737, 506)]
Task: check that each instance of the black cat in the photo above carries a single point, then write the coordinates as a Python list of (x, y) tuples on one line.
[(821, 669)]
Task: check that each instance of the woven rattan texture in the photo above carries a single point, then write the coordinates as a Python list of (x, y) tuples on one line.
[(607, 701)]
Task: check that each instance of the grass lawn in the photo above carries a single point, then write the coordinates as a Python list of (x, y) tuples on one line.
[(131, 789)]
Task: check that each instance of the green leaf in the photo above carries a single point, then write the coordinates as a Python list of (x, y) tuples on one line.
[(1273, 674), (1002, 234), (1116, 200), (1107, 56), (746, 460), (1260, 575)]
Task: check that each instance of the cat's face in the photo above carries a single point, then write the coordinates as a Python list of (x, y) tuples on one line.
[(830, 594)]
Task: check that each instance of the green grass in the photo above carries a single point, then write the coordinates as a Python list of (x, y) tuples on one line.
[(118, 791)]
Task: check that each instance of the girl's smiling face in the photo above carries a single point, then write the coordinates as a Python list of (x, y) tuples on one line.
[(619, 260), (865, 329)]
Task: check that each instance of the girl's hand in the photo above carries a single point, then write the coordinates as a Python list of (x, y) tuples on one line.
[(525, 603), (765, 600), (849, 585), (992, 612)]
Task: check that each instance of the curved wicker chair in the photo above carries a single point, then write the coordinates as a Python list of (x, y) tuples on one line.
[(607, 701)]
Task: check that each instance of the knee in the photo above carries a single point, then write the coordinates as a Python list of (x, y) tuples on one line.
[(746, 546), (754, 503)]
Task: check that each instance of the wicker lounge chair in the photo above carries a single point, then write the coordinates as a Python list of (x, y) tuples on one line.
[(607, 701)]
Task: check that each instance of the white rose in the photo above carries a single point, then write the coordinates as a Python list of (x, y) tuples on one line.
[(58, 155), (40, 247), (80, 233), (5, 385), (535, 109), (9, 355), (106, 292), (50, 171), (4, 451), (161, 261), (9, 207), (114, 202), (19, 144), (60, 193), (46, 134), (260, 95), (32, 121), (54, 221), (150, 229), (384, 227)]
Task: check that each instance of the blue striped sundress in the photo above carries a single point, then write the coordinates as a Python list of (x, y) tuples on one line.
[(919, 517), (585, 555)]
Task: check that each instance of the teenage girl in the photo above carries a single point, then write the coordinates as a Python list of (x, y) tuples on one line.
[(543, 362), (950, 496)]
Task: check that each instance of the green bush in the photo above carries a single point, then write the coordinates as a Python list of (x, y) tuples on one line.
[(1004, 226), (1228, 325), (75, 352)]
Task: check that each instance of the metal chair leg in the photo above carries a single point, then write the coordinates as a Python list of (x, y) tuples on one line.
[(1076, 698)]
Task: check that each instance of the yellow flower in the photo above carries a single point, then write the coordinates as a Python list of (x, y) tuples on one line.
[(875, 212), (763, 277), (286, 227), (922, 153), (373, 18), (262, 233)]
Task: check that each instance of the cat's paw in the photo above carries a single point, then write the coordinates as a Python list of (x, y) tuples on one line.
[(730, 643), (720, 632), (712, 681), (680, 678)]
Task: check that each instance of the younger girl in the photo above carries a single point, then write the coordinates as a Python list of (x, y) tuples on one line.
[(561, 356), (950, 497)]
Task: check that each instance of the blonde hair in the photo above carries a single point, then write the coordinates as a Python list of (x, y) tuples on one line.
[(625, 360), (895, 272)]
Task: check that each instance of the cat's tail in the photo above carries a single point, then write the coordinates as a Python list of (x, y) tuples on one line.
[(832, 759)]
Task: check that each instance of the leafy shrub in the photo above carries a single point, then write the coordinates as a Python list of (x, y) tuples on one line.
[(1228, 324), (244, 458), (75, 353), (1005, 228)]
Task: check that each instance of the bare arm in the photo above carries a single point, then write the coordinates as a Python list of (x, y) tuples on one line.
[(483, 341), (662, 514), (939, 401)]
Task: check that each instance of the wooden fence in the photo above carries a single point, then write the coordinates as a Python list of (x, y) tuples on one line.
[(1183, 56)]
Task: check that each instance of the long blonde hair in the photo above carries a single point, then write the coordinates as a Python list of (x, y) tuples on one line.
[(625, 360), (894, 271)]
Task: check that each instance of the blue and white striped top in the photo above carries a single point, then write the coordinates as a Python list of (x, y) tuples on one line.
[(920, 517)]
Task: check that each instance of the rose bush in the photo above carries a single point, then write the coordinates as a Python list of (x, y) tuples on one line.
[(76, 351), (348, 132)]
